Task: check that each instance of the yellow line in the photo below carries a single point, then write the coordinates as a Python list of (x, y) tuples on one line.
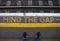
[(30, 25)]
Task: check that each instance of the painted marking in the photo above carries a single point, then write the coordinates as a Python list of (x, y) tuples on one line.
[(30, 14), (58, 19), (30, 25), (29, 19)]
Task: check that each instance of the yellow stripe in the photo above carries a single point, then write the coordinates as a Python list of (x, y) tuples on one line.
[(30, 25)]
